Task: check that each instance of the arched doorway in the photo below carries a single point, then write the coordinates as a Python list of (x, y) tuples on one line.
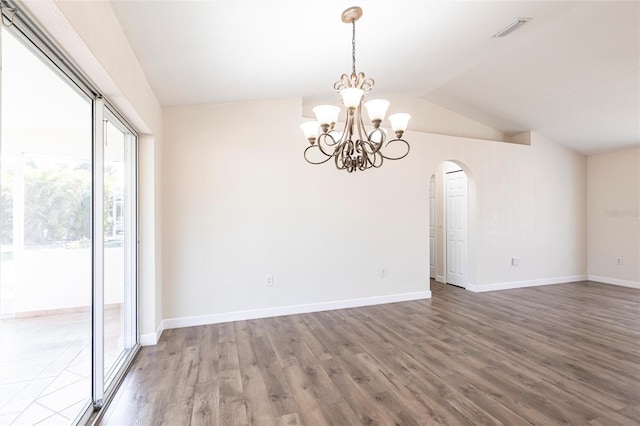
[(450, 199)]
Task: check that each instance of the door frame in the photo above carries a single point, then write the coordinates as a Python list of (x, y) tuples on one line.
[(433, 251), (441, 249)]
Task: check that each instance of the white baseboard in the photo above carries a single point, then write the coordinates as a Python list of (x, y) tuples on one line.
[(441, 279), (522, 284), (292, 310), (150, 339), (614, 281)]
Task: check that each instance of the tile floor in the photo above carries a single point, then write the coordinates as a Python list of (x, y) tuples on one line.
[(45, 366)]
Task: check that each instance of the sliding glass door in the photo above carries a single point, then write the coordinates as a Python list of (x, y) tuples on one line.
[(119, 244), (68, 215)]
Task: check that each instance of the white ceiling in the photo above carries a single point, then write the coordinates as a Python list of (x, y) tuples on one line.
[(572, 73)]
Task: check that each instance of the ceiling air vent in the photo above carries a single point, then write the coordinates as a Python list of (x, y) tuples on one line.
[(511, 27)]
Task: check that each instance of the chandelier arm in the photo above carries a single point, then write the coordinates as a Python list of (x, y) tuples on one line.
[(402, 156), (322, 140), (347, 134), (367, 83), (343, 83), (357, 158), (369, 147), (381, 157), (372, 161), (352, 155), (364, 156), (314, 162), (376, 146), (362, 132), (360, 150), (343, 154), (342, 160), (335, 135), (365, 162)]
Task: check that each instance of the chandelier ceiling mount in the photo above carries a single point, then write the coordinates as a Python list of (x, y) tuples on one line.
[(351, 15)]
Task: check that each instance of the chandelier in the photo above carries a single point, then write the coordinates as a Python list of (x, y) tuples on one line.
[(354, 148)]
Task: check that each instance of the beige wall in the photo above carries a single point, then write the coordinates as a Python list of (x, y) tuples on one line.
[(613, 204), (530, 204), (240, 203)]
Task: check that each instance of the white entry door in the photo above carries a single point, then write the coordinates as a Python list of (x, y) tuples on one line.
[(457, 211), (432, 227)]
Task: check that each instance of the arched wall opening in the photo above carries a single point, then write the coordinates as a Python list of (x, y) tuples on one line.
[(445, 248)]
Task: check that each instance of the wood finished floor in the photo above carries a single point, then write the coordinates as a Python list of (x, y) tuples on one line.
[(559, 354)]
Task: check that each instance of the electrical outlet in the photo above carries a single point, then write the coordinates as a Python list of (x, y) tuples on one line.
[(619, 261), (515, 261), (383, 272), (268, 280)]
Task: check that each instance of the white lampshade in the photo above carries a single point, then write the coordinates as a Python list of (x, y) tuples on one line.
[(326, 114), (351, 97), (399, 121), (310, 129), (377, 109)]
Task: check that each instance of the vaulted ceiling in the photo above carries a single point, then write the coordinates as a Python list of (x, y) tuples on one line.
[(572, 73)]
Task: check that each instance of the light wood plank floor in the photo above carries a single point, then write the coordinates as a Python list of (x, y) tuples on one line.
[(559, 354)]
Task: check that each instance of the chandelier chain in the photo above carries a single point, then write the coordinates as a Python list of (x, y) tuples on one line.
[(353, 46)]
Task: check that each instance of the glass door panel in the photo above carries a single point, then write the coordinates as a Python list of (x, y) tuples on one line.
[(119, 244), (45, 268)]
